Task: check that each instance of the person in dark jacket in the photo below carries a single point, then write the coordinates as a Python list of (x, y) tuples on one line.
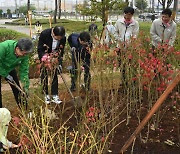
[(13, 54), (92, 28), (51, 40), (80, 49)]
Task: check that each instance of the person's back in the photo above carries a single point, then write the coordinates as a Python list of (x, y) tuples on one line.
[(73, 40), (93, 28)]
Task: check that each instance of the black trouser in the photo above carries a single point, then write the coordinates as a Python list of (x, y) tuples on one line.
[(44, 81), (76, 58), (16, 92), (123, 70)]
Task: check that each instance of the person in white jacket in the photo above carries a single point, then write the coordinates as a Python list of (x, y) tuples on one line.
[(163, 30), (127, 27), (5, 118), (109, 32)]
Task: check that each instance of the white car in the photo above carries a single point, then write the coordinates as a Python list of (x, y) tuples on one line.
[(45, 15)]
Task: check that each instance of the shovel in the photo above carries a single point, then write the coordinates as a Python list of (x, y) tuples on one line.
[(19, 88), (77, 101)]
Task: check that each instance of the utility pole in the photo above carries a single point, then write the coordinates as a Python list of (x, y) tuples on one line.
[(76, 9), (152, 6), (38, 4), (64, 6), (28, 5), (16, 8)]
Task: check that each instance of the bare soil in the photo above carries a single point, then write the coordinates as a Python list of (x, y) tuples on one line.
[(168, 129)]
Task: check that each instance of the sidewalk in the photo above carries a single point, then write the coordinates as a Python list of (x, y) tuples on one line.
[(21, 29)]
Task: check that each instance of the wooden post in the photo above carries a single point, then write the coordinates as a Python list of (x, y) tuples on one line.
[(50, 21), (30, 22), (151, 112)]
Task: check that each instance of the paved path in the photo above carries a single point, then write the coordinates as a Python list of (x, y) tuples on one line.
[(22, 29)]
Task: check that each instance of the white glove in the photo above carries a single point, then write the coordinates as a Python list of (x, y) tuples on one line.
[(10, 78)]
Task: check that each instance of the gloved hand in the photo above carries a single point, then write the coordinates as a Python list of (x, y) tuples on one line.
[(60, 69), (10, 78)]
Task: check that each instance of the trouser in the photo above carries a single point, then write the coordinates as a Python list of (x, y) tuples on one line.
[(17, 93), (122, 66), (44, 81), (76, 59)]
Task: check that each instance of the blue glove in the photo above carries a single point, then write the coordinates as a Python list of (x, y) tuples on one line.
[(10, 78)]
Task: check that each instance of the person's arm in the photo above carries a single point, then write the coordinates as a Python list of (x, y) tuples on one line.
[(173, 36), (24, 73), (153, 33), (70, 40), (3, 72), (62, 46), (116, 33), (136, 30), (41, 48)]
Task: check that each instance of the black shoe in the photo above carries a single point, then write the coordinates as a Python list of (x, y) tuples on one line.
[(73, 89)]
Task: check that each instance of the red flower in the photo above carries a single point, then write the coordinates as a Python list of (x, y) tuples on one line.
[(16, 121), (130, 56), (103, 139), (134, 78)]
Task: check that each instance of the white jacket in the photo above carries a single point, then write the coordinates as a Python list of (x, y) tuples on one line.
[(162, 33), (109, 32), (124, 33), (5, 118)]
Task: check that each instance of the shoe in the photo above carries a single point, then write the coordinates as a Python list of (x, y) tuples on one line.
[(73, 89), (30, 115), (55, 99), (47, 99)]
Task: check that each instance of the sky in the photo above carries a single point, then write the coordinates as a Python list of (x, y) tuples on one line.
[(19, 2), (69, 4)]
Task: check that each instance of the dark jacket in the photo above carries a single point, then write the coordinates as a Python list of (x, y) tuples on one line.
[(46, 39), (73, 41), (92, 27)]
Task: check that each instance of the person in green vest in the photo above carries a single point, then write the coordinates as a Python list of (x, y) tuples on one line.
[(5, 118), (15, 54)]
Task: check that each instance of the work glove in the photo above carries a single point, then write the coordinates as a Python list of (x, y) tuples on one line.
[(60, 69), (10, 78)]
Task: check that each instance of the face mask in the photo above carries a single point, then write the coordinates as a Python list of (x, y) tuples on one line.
[(128, 21), (166, 24)]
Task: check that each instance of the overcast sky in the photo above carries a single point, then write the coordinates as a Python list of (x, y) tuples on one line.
[(22, 2)]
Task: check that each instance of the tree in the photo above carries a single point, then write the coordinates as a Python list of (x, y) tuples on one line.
[(23, 9), (55, 11), (127, 2), (141, 4), (8, 11), (165, 3), (28, 5), (100, 8), (1, 12), (174, 9), (59, 7)]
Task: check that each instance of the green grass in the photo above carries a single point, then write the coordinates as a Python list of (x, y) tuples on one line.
[(6, 34), (70, 25)]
